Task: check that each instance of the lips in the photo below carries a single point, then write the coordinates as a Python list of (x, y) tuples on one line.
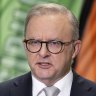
[(44, 65)]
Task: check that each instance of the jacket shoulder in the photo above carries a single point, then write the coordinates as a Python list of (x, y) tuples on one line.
[(82, 86), (88, 83), (6, 85)]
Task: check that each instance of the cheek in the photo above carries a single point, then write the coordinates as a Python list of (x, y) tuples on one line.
[(63, 59), (59, 60), (31, 58)]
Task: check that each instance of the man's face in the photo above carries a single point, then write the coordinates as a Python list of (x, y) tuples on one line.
[(45, 66)]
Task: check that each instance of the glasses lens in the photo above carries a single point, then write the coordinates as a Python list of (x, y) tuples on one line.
[(54, 46), (33, 45)]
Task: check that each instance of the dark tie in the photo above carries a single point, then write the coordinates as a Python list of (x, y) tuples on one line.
[(51, 91)]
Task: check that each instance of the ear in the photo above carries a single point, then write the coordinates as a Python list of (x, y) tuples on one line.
[(77, 47)]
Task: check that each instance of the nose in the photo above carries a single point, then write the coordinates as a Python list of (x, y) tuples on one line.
[(44, 53)]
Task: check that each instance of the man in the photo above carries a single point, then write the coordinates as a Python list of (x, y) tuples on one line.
[(51, 43)]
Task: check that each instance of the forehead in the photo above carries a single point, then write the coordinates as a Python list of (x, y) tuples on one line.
[(49, 27)]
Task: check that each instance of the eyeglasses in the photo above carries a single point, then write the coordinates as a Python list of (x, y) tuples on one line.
[(52, 46)]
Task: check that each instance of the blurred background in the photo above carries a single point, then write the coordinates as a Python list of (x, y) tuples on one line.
[(12, 17)]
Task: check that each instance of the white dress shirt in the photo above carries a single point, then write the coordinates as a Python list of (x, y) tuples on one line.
[(64, 85)]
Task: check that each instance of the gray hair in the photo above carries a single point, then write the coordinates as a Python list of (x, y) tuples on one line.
[(52, 8)]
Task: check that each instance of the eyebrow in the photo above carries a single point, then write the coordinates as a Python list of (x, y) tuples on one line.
[(55, 39)]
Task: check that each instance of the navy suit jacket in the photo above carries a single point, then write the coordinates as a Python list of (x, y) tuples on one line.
[(22, 86)]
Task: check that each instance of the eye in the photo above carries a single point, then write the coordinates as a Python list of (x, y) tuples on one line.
[(33, 42), (55, 43)]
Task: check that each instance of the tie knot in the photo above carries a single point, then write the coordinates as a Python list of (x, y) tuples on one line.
[(51, 91)]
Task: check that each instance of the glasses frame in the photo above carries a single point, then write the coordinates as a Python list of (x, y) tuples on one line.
[(63, 44)]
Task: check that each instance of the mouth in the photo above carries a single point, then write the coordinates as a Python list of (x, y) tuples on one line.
[(44, 65)]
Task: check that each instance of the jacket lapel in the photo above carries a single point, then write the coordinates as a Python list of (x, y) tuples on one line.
[(22, 86), (81, 87)]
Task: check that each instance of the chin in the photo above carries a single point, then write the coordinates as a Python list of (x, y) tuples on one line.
[(44, 76)]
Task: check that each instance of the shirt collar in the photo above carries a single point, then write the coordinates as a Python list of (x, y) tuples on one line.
[(37, 86), (66, 82)]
